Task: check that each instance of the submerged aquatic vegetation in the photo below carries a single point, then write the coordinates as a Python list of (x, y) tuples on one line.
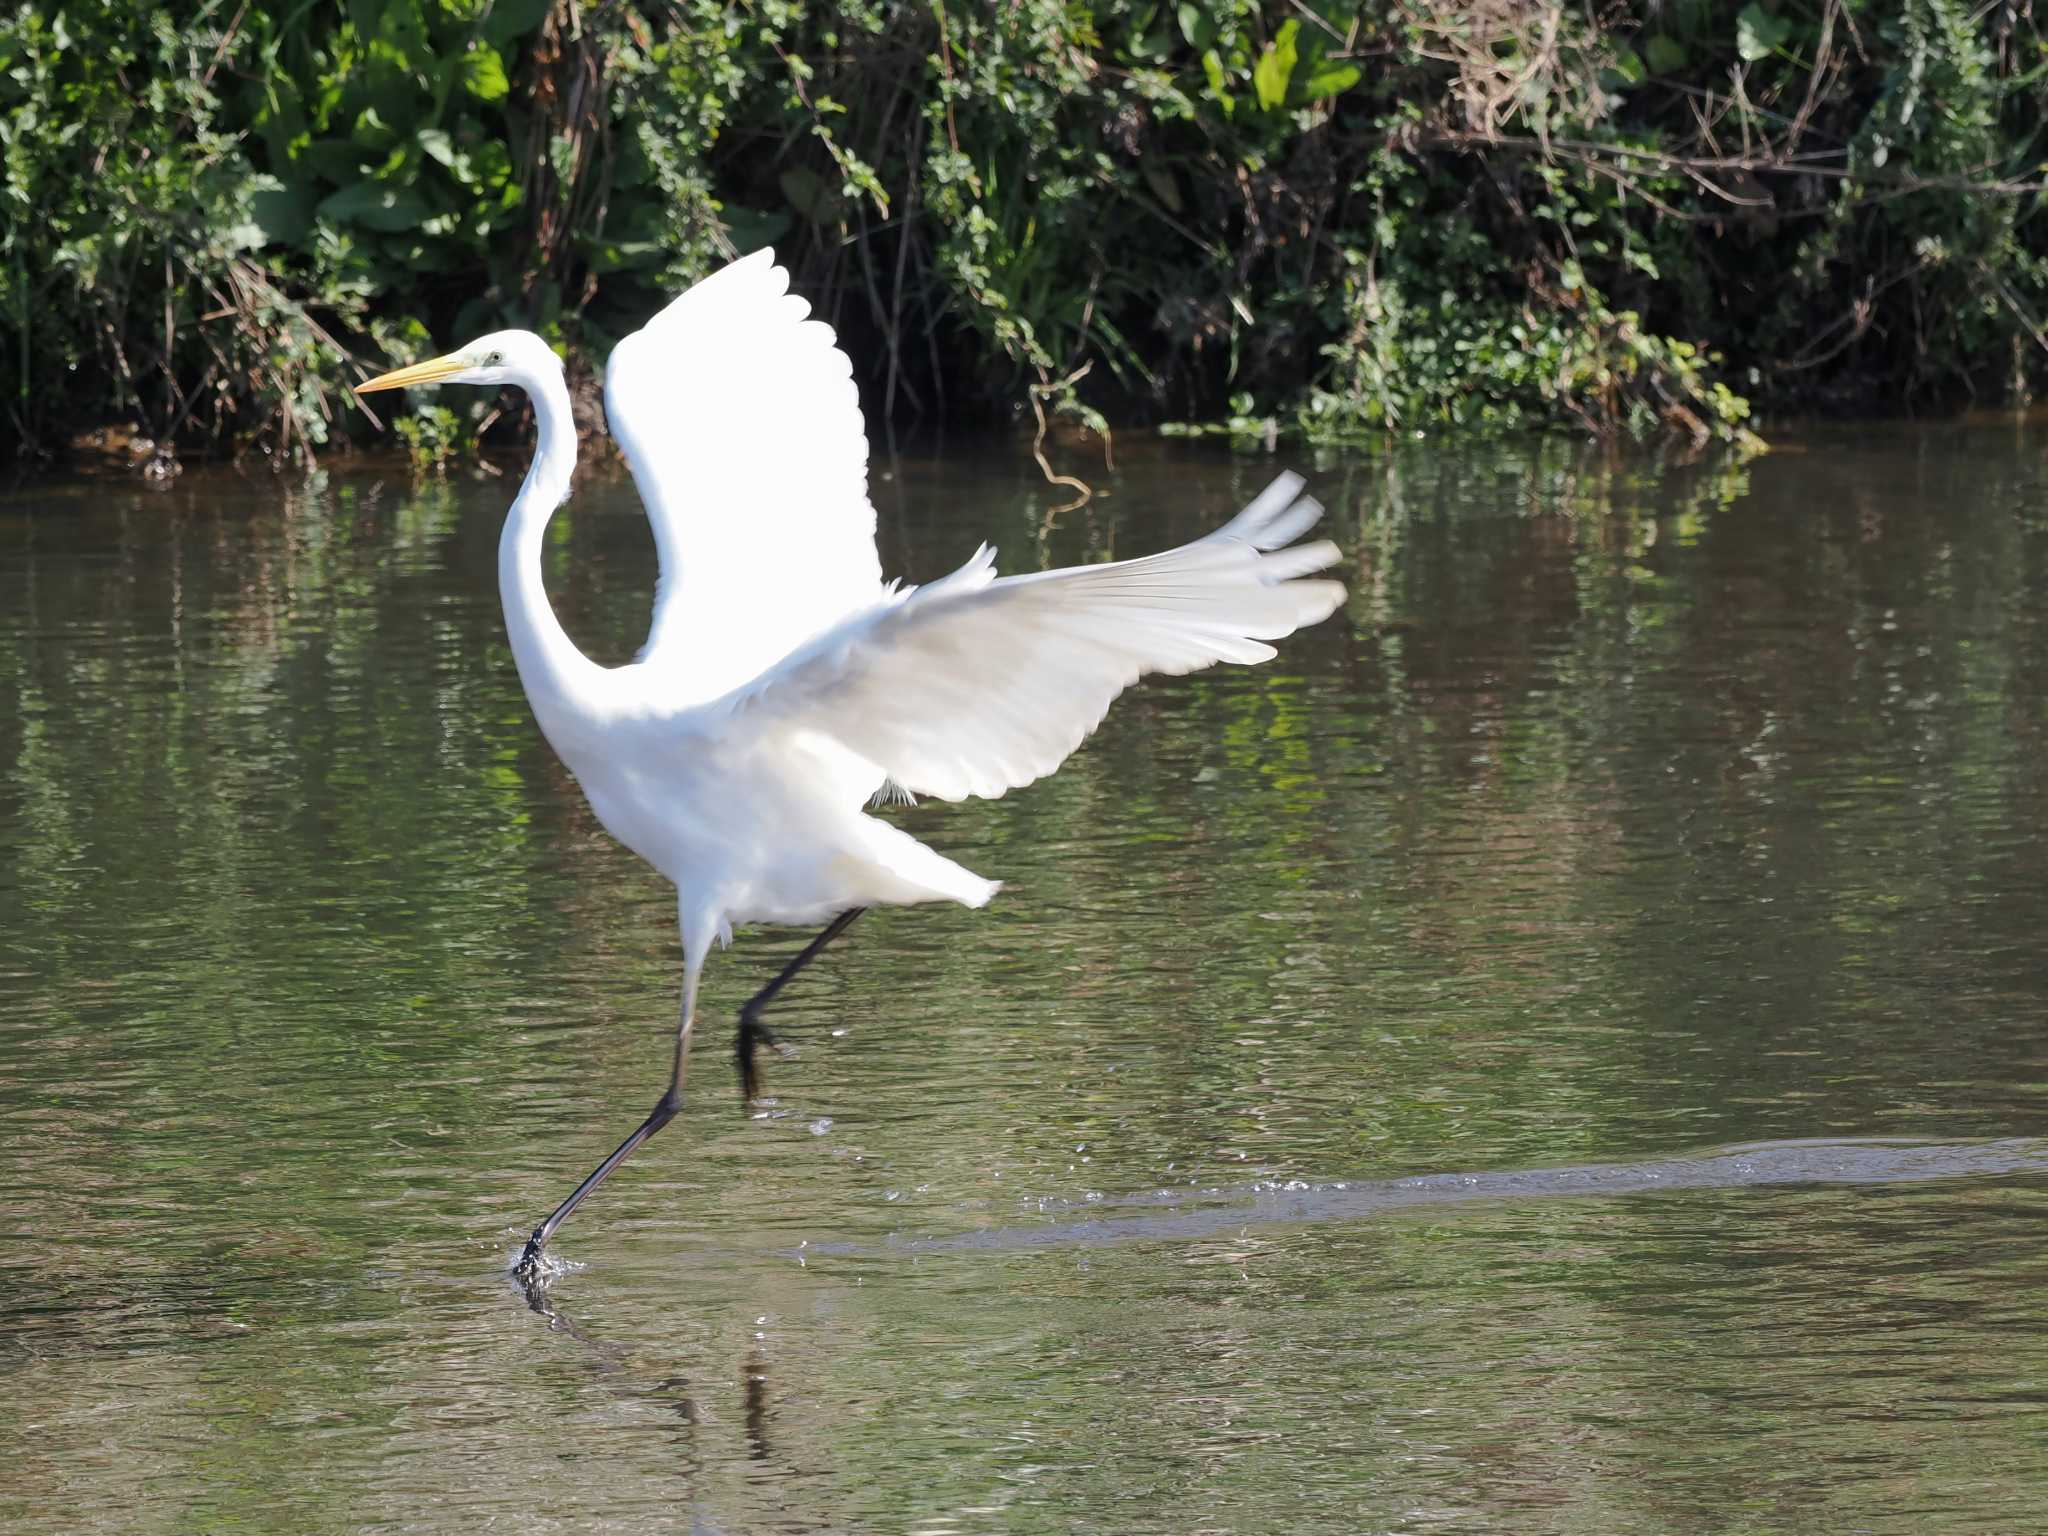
[(1331, 220)]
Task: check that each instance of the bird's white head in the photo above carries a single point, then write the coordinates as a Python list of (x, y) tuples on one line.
[(503, 357)]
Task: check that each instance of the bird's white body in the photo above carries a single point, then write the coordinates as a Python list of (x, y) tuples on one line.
[(783, 686), (753, 815), (740, 752)]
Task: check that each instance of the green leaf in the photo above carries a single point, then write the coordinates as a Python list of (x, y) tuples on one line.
[(484, 73), (510, 20), (1212, 67), (807, 194), (1758, 34), (1195, 25), (562, 161), (1276, 67), (1329, 79), (1161, 181), (490, 167), (335, 160), (1152, 42), (1664, 55), (437, 144), (1627, 66), (752, 229), (376, 205), (281, 213)]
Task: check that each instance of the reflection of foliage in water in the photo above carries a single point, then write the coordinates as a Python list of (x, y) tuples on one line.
[(1640, 805)]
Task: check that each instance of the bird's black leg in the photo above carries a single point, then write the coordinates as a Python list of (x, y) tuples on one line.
[(529, 1268), (753, 1031)]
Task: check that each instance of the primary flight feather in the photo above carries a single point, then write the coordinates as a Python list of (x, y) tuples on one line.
[(783, 686)]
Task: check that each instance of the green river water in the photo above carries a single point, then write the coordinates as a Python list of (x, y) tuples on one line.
[(1562, 1050)]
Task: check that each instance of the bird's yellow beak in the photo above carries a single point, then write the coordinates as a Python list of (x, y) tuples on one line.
[(432, 371)]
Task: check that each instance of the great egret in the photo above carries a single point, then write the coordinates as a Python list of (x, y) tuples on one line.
[(783, 686)]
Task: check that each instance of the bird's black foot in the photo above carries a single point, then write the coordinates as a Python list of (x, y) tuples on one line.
[(753, 1033), (533, 1267), (538, 1270)]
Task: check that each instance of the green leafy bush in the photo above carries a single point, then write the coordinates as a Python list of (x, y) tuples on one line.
[(132, 268), (1325, 219)]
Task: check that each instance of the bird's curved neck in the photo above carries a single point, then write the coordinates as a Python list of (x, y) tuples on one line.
[(557, 676)]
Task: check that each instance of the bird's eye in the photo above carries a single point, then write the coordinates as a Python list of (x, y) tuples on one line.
[(495, 360)]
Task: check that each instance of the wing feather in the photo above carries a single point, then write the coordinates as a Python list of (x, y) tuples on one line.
[(741, 422), (976, 684)]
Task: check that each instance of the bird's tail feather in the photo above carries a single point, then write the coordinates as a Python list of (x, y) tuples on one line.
[(903, 870)]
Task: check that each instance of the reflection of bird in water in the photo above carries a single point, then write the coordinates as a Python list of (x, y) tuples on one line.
[(701, 1432), (783, 686)]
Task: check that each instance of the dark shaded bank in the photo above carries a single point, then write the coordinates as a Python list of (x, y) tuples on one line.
[(1311, 218)]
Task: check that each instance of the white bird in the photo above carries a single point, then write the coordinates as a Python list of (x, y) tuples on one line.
[(784, 686)]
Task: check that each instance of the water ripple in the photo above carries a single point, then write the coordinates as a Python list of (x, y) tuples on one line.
[(1173, 1214)]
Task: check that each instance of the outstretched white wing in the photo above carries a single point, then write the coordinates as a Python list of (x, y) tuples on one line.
[(740, 419), (977, 684)]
